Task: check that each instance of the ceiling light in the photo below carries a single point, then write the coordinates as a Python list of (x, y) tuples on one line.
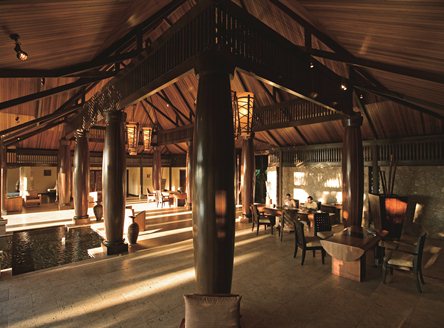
[(343, 87), (21, 55), (314, 94), (361, 96), (312, 65)]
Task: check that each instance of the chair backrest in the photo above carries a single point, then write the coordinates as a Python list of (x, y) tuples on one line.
[(419, 250), (321, 222), (148, 191), (296, 201), (375, 210), (299, 233), (254, 213), (319, 204)]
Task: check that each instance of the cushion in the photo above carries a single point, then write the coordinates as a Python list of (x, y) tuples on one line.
[(399, 259), (203, 311), (314, 243), (325, 234)]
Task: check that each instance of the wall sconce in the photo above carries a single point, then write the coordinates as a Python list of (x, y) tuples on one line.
[(243, 117), (146, 134), (132, 132), (21, 55)]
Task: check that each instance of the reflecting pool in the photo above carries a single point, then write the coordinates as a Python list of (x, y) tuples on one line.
[(37, 249)]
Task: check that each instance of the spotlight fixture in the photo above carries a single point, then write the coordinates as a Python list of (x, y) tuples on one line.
[(361, 96), (314, 94), (42, 81), (21, 55), (312, 65), (343, 87)]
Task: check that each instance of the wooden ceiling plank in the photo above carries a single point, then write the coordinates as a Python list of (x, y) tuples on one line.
[(50, 92), (165, 98), (157, 110)]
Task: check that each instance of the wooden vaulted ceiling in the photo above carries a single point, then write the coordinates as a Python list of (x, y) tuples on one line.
[(62, 33)]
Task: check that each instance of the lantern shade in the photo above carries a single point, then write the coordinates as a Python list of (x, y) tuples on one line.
[(244, 114), (146, 133), (132, 132)]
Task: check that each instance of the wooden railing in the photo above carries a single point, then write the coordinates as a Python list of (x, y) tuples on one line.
[(43, 157), (407, 151), (291, 113), (248, 44)]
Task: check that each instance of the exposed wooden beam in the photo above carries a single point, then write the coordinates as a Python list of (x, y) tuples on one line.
[(160, 112), (401, 99), (369, 63), (72, 70), (165, 98), (301, 135), (190, 110), (364, 110), (148, 114), (50, 92)]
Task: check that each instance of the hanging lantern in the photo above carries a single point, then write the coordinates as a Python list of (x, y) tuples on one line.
[(132, 132), (244, 102), (146, 133)]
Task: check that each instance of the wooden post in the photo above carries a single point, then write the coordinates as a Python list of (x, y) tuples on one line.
[(248, 177), (189, 175), (213, 187), (64, 178), (141, 176), (3, 175), (352, 172), (81, 177), (113, 181), (375, 169), (157, 169)]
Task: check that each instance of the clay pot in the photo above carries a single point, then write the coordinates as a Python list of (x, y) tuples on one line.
[(98, 211), (133, 232)]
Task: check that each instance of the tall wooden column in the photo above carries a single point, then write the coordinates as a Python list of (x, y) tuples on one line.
[(189, 174), (3, 175), (248, 178), (113, 181), (141, 176), (157, 169), (64, 177), (213, 187), (352, 172), (81, 177)]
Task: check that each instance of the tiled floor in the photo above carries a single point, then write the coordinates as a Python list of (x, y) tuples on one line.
[(144, 289)]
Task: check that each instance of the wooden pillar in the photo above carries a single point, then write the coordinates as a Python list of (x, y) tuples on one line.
[(81, 177), (189, 175), (157, 169), (113, 181), (64, 177), (170, 177), (375, 169), (213, 187), (3, 177), (141, 176), (352, 172), (248, 171)]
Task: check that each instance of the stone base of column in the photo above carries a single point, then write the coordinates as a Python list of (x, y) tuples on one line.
[(114, 248), (3, 223), (79, 220), (245, 219), (65, 206)]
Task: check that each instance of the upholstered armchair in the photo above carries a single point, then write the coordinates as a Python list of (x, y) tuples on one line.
[(32, 198)]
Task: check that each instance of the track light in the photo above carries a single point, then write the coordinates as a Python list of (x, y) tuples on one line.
[(21, 55)]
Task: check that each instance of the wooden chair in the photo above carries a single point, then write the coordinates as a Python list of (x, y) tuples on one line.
[(406, 257), (322, 226), (289, 216), (261, 219), (312, 244), (151, 196), (161, 198)]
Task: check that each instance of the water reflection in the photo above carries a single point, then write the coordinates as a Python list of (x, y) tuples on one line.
[(38, 249)]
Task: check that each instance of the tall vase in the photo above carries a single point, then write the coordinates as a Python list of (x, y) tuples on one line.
[(133, 232), (98, 211)]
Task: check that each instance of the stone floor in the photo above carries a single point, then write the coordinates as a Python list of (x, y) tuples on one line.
[(145, 288)]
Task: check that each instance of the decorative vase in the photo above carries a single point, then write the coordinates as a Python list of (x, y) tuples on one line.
[(133, 232), (98, 211)]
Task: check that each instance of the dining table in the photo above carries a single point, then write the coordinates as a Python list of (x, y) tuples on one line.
[(348, 249)]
